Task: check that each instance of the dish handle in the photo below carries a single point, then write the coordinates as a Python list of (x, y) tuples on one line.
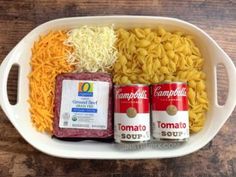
[(11, 59), (226, 109)]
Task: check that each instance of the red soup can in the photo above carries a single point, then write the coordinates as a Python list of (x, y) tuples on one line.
[(170, 118), (132, 113)]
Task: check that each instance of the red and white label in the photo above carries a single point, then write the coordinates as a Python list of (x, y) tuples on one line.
[(170, 119), (132, 113), (167, 94), (132, 96)]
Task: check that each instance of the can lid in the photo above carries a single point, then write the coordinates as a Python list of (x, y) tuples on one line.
[(169, 82), (124, 85)]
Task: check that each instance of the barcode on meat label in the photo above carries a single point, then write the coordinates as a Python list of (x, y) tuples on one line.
[(65, 123)]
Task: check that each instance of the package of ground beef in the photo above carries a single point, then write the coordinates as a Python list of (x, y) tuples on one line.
[(83, 106)]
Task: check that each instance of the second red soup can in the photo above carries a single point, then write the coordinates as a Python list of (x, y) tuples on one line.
[(170, 118), (132, 113)]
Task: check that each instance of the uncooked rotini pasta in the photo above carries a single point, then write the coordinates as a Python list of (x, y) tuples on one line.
[(154, 55)]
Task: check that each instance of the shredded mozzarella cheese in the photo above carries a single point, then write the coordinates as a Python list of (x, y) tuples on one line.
[(94, 48)]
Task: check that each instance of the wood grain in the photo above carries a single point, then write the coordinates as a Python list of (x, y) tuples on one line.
[(18, 158)]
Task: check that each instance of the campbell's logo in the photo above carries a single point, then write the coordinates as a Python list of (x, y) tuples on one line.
[(85, 89), (169, 93), (139, 94)]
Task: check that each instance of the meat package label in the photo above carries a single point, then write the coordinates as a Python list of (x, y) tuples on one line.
[(84, 104)]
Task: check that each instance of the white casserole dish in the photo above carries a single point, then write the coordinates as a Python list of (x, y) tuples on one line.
[(20, 117)]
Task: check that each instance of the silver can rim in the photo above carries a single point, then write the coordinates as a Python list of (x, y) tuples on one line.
[(168, 82), (125, 85)]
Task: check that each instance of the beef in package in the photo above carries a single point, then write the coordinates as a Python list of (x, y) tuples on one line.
[(83, 106)]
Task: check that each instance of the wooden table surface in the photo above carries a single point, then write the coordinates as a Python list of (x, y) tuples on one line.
[(18, 158)]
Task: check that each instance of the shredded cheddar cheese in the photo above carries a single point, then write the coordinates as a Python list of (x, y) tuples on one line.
[(49, 55), (94, 48)]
